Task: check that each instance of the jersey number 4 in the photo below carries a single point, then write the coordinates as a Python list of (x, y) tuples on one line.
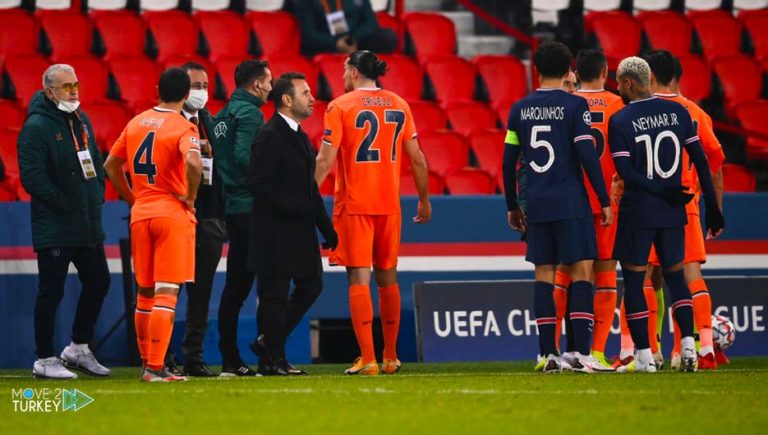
[(142, 160), (364, 152)]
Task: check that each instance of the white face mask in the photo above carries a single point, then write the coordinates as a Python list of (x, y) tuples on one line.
[(68, 106), (197, 98)]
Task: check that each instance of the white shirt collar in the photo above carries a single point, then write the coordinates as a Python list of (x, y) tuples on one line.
[(291, 123), (187, 114), (587, 91), (160, 109)]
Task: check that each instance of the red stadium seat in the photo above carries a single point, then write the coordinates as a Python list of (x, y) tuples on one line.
[(427, 116), (137, 80), (741, 79), (12, 115), (331, 68), (470, 181), (431, 35), (70, 34), (122, 33), (502, 110), (18, 33), (9, 150), (696, 83), (92, 74), (226, 32), (268, 110), (466, 118), (452, 78), (214, 106), (757, 26), (488, 146), (313, 126), (408, 186), (175, 33), (445, 151), (404, 77), (8, 187), (752, 116), (668, 30), (282, 64), (387, 21), (504, 77), (225, 70), (719, 33), (738, 178), (277, 33), (108, 119), (26, 72), (619, 35)]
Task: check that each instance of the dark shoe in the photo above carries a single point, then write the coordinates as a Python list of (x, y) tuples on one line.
[(270, 368), (259, 347), (173, 368), (293, 370), (198, 369), (239, 370)]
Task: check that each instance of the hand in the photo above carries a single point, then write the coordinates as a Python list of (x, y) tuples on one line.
[(714, 221), (191, 205), (342, 45), (331, 240), (516, 219), (607, 218), (678, 196), (617, 188), (424, 211), (205, 147)]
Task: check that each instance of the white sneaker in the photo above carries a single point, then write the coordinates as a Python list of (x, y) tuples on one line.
[(676, 361), (552, 365), (589, 364), (51, 368), (644, 362), (658, 358), (565, 365), (690, 358), (567, 361), (80, 357)]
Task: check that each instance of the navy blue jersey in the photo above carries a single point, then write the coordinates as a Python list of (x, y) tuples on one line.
[(651, 133), (547, 124)]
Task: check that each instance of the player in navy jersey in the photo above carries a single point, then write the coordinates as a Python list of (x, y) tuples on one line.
[(551, 129), (647, 139)]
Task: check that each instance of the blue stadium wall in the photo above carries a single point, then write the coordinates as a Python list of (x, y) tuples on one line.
[(467, 240)]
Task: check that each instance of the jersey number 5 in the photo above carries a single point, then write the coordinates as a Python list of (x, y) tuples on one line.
[(541, 143), (364, 152), (144, 152)]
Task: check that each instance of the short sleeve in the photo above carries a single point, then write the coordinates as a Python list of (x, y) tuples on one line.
[(119, 149), (189, 141), (332, 126), (409, 129), (710, 143)]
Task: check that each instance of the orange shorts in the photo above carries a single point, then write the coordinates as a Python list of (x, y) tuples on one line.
[(606, 237), (366, 240), (164, 250), (694, 244)]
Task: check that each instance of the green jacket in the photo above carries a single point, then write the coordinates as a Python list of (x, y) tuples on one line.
[(234, 156), (316, 36), (66, 209)]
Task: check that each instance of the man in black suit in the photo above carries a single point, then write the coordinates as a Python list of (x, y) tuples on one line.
[(211, 230), (287, 207)]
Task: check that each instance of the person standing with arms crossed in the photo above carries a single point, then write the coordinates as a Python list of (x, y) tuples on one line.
[(163, 154), (368, 129)]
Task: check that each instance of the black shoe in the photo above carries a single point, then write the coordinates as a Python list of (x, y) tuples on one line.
[(293, 370), (259, 347), (272, 368), (198, 369), (173, 368), (239, 370)]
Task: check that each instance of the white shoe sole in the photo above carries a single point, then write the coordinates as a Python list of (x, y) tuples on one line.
[(73, 366)]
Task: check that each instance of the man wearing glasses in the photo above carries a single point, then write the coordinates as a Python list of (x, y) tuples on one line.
[(61, 168)]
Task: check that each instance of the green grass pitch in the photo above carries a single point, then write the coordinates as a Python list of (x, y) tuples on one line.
[(475, 398)]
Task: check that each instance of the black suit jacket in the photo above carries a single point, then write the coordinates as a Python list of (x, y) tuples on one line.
[(287, 205), (210, 199)]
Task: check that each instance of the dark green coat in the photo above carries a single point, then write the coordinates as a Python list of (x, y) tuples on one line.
[(234, 156), (66, 209), (316, 36)]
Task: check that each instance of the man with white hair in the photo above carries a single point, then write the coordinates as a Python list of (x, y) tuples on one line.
[(61, 168), (646, 137)]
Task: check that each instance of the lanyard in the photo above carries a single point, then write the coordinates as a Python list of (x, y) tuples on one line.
[(74, 138), (328, 9)]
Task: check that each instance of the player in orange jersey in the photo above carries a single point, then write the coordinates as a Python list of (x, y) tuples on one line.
[(162, 150), (367, 130)]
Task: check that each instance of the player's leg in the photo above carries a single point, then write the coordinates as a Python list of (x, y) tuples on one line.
[(560, 295), (386, 247), (605, 288), (695, 254), (658, 290), (653, 314), (541, 250), (143, 265)]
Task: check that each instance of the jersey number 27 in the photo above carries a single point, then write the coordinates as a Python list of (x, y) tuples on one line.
[(364, 152)]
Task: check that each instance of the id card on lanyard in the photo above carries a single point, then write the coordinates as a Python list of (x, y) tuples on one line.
[(207, 158), (337, 22), (83, 155)]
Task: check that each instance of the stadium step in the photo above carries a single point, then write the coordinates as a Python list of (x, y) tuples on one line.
[(472, 45), (423, 5), (464, 21)]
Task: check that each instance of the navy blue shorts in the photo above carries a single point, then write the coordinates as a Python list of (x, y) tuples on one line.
[(567, 241), (633, 245)]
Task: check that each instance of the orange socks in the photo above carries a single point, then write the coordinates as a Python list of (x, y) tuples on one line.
[(562, 281), (160, 329), (389, 311), (141, 322), (702, 312), (604, 306), (653, 314), (361, 310)]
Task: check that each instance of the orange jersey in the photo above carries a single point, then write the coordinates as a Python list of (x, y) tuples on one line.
[(154, 144), (602, 105), (709, 143), (368, 126)]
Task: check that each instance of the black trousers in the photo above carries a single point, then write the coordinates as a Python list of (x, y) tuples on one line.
[(210, 237), (53, 264), (279, 312), (238, 286)]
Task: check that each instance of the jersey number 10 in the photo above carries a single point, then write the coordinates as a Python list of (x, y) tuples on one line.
[(364, 152), (652, 154)]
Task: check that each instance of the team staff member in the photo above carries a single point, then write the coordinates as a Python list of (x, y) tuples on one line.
[(162, 150), (60, 167)]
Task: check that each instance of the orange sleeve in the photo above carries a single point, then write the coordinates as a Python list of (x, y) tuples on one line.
[(189, 141), (333, 126), (119, 149), (710, 143), (409, 129)]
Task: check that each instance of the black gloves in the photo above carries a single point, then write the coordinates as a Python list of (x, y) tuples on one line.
[(714, 220), (677, 195), (331, 239)]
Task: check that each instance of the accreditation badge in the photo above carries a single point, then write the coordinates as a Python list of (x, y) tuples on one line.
[(86, 164), (208, 171), (337, 23)]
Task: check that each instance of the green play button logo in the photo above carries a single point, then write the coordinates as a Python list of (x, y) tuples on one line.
[(74, 400)]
